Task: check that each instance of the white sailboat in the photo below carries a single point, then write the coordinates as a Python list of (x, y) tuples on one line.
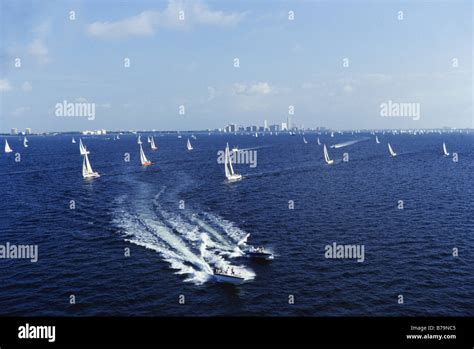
[(82, 148), (319, 142), (118, 137), (326, 156), (152, 144), (25, 142), (189, 146), (229, 170), (7, 147), (139, 140), (144, 161), (87, 171), (377, 140), (73, 140), (332, 134), (445, 150), (148, 139), (392, 153), (305, 141)]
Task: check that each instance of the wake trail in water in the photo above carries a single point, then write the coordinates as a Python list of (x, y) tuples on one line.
[(191, 244), (346, 144)]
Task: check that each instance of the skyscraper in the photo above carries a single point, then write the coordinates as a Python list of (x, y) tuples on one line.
[(288, 123)]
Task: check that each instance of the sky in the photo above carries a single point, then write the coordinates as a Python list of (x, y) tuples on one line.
[(422, 55)]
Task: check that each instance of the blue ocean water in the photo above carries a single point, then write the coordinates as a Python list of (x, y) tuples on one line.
[(179, 218)]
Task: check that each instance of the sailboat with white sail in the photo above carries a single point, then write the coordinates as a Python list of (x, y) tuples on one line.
[(148, 139), (305, 141), (87, 171), (189, 146), (392, 153), (82, 148), (73, 140), (25, 142), (7, 147), (319, 142), (144, 161), (152, 144), (229, 170), (445, 150), (377, 140), (332, 134), (139, 140), (326, 156)]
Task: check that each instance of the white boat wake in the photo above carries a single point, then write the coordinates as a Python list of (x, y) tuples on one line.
[(192, 244), (346, 144)]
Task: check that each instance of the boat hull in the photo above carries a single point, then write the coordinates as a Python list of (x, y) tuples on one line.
[(92, 175), (228, 279), (234, 178), (260, 255)]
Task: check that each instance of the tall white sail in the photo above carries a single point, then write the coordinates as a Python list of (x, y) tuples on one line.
[(229, 170), (82, 148), (445, 150), (7, 147), (189, 146), (319, 142), (226, 161), (73, 140), (377, 140), (152, 145), (87, 171), (25, 142), (305, 141), (139, 140), (332, 134), (144, 161), (326, 156), (392, 153)]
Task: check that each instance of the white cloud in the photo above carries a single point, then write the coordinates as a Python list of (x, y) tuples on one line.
[(5, 85), (259, 88), (26, 86), (105, 105), (211, 93), (39, 50), (139, 25), (348, 88), (21, 110), (147, 22)]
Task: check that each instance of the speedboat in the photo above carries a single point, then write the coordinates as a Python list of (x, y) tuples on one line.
[(259, 252), (227, 276)]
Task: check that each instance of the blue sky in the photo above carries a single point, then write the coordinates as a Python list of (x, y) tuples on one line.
[(190, 63)]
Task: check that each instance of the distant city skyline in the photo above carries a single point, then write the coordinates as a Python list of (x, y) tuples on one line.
[(196, 65)]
